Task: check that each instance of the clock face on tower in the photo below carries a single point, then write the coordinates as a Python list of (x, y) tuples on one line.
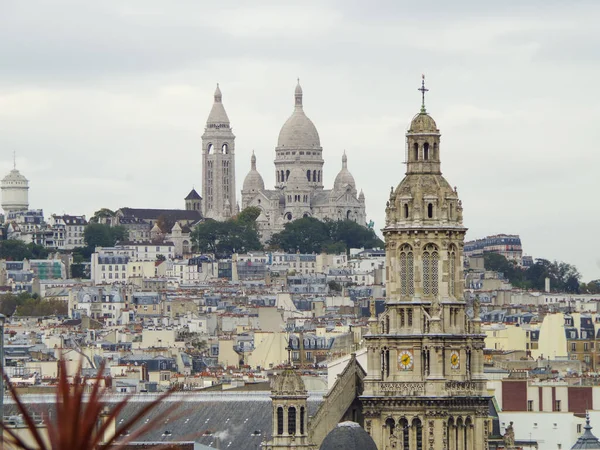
[(405, 360), (454, 359)]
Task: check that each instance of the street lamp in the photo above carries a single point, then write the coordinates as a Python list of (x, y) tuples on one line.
[(2, 320)]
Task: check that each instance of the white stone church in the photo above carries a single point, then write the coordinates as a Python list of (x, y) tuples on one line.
[(299, 190)]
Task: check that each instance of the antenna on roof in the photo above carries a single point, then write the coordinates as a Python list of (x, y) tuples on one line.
[(14, 160)]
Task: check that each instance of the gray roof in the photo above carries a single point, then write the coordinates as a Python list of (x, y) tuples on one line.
[(348, 436), (587, 440), (240, 420)]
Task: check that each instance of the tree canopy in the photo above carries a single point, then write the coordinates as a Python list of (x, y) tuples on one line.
[(101, 215), (310, 235), (16, 250), (103, 235), (564, 277), (24, 304), (236, 235)]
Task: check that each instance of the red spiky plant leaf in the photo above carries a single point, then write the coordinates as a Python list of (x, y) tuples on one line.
[(82, 419)]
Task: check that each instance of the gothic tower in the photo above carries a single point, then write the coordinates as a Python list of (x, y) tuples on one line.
[(290, 413), (218, 163), (425, 388)]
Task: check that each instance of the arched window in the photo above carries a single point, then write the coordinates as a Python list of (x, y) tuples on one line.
[(452, 270), (430, 210), (282, 176), (314, 175), (407, 286), (280, 420), (430, 270), (209, 149), (302, 415), (288, 216), (319, 176), (225, 149), (404, 430), (426, 151), (450, 433), (406, 210), (287, 175), (390, 424), (451, 211), (435, 155), (417, 427), (457, 437), (278, 176), (348, 214), (467, 433), (291, 420), (308, 175), (416, 151)]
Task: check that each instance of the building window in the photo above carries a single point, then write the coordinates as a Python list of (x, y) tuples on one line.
[(529, 405), (578, 428), (280, 420), (430, 210), (291, 420), (557, 405), (585, 346), (573, 347), (430, 270)]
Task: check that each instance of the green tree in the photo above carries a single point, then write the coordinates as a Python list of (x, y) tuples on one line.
[(101, 215), (103, 235), (239, 234), (165, 223), (306, 235), (310, 235)]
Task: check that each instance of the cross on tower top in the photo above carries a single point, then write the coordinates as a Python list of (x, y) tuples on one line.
[(423, 89)]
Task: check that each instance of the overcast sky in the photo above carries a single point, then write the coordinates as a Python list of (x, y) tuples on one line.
[(105, 102)]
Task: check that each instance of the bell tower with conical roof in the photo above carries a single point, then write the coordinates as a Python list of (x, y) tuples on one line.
[(290, 413), (425, 388), (218, 163)]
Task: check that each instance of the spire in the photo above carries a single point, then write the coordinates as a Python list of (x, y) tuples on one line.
[(344, 161), (298, 95), (218, 95), (253, 161), (14, 160), (217, 115), (423, 89)]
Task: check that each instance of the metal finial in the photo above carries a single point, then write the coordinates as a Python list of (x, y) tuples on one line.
[(14, 160), (423, 89)]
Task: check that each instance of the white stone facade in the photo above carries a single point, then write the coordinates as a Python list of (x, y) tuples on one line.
[(15, 192), (299, 190), (218, 163)]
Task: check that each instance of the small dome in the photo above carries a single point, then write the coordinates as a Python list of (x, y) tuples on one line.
[(348, 436), (298, 132), (288, 382), (423, 123), (254, 181), (344, 177), (14, 176), (587, 440)]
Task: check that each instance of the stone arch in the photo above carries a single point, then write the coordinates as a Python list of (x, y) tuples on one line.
[(426, 151), (417, 427), (308, 175), (416, 151), (225, 149), (210, 148), (406, 210), (287, 175), (404, 433)]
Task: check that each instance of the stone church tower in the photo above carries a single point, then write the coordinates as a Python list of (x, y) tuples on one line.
[(290, 413), (218, 163), (425, 388)]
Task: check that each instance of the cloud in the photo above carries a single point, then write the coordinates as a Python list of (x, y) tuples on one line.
[(105, 102)]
